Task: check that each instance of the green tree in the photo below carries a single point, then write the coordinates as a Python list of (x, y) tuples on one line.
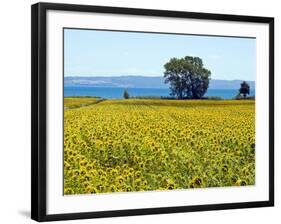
[(244, 89), (126, 94), (187, 77)]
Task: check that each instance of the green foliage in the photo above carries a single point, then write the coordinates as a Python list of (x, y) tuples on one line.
[(214, 98), (240, 97), (244, 89), (146, 97), (187, 76), (126, 95), (76, 102)]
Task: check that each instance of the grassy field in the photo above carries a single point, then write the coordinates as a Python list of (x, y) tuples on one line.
[(76, 102), (139, 145)]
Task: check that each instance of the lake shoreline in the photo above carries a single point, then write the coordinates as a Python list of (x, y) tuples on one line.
[(150, 93)]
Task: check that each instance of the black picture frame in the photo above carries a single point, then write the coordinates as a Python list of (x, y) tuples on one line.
[(39, 122)]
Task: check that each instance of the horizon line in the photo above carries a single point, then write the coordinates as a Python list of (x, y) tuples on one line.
[(98, 76)]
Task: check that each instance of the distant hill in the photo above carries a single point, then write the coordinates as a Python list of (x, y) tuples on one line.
[(142, 82)]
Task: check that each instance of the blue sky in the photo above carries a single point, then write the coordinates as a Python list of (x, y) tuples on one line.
[(111, 53)]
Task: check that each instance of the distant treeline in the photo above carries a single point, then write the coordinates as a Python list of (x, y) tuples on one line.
[(203, 98)]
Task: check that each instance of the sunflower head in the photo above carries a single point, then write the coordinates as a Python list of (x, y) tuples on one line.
[(112, 188), (138, 182), (120, 179), (137, 174), (241, 183), (128, 188), (68, 191)]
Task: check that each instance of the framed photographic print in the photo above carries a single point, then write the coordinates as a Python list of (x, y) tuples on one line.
[(139, 111)]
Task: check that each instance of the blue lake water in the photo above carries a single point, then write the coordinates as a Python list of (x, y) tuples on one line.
[(117, 92)]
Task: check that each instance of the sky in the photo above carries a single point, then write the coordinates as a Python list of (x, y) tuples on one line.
[(113, 53)]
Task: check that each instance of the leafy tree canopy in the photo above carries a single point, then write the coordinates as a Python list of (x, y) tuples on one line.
[(126, 95), (244, 89), (187, 77)]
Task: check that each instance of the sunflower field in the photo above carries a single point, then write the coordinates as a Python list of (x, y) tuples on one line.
[(144, 145)]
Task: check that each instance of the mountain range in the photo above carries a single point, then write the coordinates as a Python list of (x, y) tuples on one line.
[(142, 82)]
